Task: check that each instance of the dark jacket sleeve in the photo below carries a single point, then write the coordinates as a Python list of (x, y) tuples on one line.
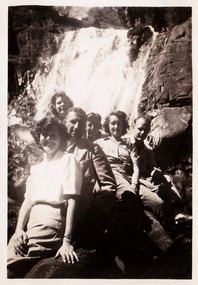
[(106, 192), (151, 159)]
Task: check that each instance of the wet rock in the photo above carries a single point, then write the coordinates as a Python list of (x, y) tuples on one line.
[(138, 37), (169, 123), (171, 135), (89, 266), (169, 70)]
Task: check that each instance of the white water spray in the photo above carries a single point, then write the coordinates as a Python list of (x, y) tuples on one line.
[(94, 69)]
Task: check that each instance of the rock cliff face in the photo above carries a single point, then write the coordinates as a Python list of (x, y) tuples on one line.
[(169, 70), (167, 93)]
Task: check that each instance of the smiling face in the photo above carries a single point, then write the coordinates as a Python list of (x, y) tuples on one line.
[(50, 141), (61, 106), (75, 125), (115, 126), (141, 129)]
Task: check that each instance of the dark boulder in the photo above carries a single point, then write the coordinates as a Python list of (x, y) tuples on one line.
[(169, 70), (171, 135)]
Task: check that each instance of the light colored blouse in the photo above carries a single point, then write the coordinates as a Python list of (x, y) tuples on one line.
[(118, 154), (50, 181)]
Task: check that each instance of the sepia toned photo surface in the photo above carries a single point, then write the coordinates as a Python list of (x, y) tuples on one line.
[(99, 138)]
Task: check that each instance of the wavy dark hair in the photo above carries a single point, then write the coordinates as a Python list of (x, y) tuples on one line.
[(45, 125), (62, 94), (121, 115)]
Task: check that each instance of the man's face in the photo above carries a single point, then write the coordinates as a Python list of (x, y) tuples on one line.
[(75, 125), (141, 130)]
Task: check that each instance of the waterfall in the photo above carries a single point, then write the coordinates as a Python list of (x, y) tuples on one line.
[(94, 69)]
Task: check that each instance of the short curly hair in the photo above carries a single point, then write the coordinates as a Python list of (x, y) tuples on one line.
[(62, 94), (45, 125), (121, 115)]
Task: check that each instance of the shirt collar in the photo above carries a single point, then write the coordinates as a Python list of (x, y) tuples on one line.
[(115, 141), (70, 147), (57, 156)]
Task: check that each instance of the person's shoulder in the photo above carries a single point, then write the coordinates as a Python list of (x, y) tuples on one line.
[(101, 140), (67, 156), (103, 135), (36, 168), (69, 159), (80, 143), (126, 140), (91, 147), (94, 148), (84, 143)]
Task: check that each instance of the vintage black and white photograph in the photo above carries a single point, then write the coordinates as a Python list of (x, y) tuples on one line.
[(99, 141)]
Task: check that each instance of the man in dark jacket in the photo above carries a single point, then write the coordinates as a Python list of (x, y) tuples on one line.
[(99, 186)]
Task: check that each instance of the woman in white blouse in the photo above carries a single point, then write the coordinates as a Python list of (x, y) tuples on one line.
[(47, 216)]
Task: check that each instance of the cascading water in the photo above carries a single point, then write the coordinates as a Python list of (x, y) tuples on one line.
[(94, 69)]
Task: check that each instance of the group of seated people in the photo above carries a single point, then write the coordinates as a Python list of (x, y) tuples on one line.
[(88, 178)]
